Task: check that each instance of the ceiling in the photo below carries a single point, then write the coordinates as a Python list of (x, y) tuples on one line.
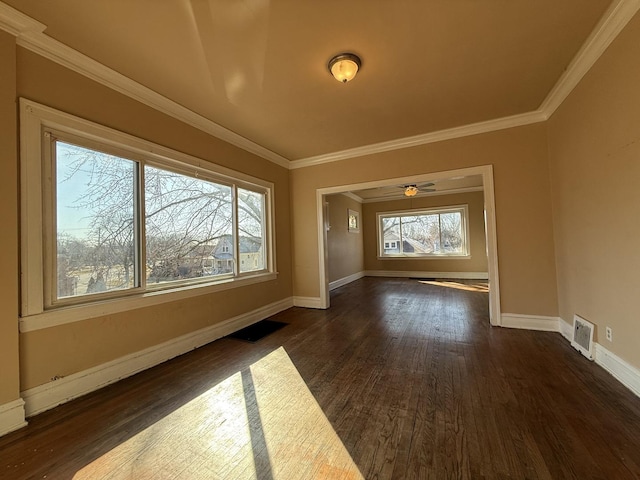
[(441, 186), (259, 67)]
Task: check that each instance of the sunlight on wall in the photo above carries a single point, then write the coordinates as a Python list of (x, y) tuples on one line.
[(259, 423)]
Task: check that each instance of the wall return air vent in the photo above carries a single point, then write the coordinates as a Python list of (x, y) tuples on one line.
[(583, 336)]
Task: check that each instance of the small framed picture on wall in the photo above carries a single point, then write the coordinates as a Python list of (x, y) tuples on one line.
[(353, 221)]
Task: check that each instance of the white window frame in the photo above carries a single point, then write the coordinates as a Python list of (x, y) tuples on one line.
[(49, 135), (37, 310), (462, 209)]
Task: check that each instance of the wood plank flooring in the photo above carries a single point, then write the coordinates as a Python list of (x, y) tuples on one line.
[(401, 378)]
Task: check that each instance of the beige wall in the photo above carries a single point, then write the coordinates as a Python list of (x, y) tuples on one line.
[(583, 163), (477, 240), (523, 207), (594, 140), (345, 249), (71, 348), (9, 369)]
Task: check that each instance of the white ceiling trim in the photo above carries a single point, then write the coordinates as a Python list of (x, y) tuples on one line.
[(16, 22), (30, 35), (610, 25), (352, 196), (418, 178), (432, 137)]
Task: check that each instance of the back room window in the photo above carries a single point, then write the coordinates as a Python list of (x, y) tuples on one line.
[(441, 232)]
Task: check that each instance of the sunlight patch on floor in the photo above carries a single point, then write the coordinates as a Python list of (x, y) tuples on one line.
[(476, 287), (262, 422)]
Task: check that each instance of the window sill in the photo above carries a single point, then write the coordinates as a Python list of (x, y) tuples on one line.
[(77, 313)]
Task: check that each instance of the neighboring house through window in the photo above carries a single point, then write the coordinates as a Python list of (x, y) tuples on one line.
[(424, 233)]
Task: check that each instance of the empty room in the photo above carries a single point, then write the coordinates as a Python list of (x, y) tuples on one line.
[(283, 239)]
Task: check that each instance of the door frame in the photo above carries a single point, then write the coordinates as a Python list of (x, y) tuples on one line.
[(489, 221)]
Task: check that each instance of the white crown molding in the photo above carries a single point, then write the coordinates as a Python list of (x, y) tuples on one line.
[(432, 137), (607, 29), (17, 23), (419, 178), (30, 35), (353, 196)]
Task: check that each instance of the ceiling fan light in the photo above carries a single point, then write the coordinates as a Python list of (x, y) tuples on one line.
[(410, 190), (344, 67)]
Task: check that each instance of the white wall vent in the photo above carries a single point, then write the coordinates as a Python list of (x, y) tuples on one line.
[(583, 336)]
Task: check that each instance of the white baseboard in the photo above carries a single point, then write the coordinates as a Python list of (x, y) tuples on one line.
[(530, 322), (416, 274), (625, 373), (622, 371), (12, 416), (49, 395), (308, 302), (565, 329), (345, 280)]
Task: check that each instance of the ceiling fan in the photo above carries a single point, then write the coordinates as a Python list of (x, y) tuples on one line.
[(408, 190), (413, 189)]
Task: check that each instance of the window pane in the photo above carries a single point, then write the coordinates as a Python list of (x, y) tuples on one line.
[(94, 221), (188, 227), (421, 234), (251, 230), (391, 235), (452, 236)]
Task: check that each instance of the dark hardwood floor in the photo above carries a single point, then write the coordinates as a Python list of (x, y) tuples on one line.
[(399, 379)]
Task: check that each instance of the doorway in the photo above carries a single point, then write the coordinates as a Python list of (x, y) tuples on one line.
[(484, 173)]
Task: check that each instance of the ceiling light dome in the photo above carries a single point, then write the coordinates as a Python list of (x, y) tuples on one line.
[(344, 66), (410, 190)]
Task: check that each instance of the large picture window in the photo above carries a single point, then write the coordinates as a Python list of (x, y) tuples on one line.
[(110, 217), (438, 232)]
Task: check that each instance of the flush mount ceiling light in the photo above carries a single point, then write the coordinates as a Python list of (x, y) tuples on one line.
[(410, 190), (344, 66)]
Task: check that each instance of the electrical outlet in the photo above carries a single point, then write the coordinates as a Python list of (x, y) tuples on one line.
[(609, 334)]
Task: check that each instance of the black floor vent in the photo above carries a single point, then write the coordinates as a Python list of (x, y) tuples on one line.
[(257, 331)]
